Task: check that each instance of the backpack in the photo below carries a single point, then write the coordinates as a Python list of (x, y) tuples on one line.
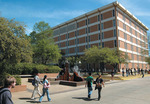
[(33, 82)]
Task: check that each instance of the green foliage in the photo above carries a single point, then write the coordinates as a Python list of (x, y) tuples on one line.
[(147, 59), (5, 75), (14, 46), (18, 79), (47, 69), (45, 51), (28, 68)]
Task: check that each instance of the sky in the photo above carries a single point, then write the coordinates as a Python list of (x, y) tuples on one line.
[(55, 12)]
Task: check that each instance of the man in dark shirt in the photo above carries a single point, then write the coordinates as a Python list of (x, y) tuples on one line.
[(5, 94), (99, 83)]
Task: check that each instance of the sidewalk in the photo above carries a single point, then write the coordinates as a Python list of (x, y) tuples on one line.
[(24, 96)]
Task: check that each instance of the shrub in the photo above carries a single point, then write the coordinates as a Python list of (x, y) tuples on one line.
[(18, 79), (4, 75)]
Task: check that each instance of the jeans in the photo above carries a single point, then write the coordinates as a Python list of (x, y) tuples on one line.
[(89, 91), (45, 90), (99, 93)]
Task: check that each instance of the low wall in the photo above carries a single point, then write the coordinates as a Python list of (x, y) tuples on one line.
[(49, 75), (19, 88)]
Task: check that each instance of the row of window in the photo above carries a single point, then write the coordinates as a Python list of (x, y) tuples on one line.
[(71, 27), (88, 46), (130, 22), (131, 38), (132, 49)]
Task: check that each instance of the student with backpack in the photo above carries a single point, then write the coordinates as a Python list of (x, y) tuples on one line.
[(36, 81), (99, 83), (46, 86), (89, 83), (5, 94)]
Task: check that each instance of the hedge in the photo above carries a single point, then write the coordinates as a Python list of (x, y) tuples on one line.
[(5, 75), (28, 68)]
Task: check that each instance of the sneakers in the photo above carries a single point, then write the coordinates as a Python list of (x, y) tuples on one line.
[(32, 98)]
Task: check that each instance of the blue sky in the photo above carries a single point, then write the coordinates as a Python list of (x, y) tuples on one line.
[(56, 12)]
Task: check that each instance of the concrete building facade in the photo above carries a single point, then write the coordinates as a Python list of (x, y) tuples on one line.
[(109, 26)]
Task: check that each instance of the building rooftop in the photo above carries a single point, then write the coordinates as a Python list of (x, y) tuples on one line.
[(116, 3)]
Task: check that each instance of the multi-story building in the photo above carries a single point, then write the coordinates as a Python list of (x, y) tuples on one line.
[(108, 26)]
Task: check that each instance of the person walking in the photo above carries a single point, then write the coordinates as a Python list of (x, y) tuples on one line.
[(112, 75), (46, 86), (142, 72), (99, 83), (89, 83), (36, 86), (5, 94), (123, 72)]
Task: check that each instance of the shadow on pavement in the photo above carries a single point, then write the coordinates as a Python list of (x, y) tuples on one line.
[(85, 98), (25, 98)]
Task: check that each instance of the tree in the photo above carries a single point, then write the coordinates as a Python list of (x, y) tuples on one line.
[(14, 46), (100, 56), (45, 51)]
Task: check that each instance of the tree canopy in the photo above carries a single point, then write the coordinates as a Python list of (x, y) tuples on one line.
[(14, 46), (45, 51)]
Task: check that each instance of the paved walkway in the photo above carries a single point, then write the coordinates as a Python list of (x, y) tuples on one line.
[(55, 90)]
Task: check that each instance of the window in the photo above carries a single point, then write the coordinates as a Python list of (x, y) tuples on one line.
[(89, 39), (98, 18), (88, 21), (68, 43), (98, 26), (58, 38), (125, 36), (101, 16), (129, 22), (102, 44), (131, 47), (115, 43), (85, 30), (137, 49), (77, 49), (77, 41), (66, 51), (99, 36), (99, 44), (77, 25), (102, 26), (88, 29), (118, 33), (68, 35), (86, 46), (124, 26), (125, 45), (131, 30), (136, 41), (102, 35), (114, 32), (137, 57), (114, 22), (75, 33), (89, 46), (135, 33), (131, 39), (86, 39), (113, 12), (124, 18)]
